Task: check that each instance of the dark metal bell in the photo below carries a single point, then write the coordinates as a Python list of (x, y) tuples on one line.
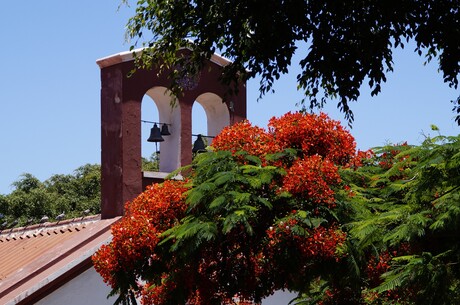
[(199, 145), (155, 134), (165, 130)]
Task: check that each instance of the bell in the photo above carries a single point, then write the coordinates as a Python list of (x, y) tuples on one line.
[(155, 134), (165, 130), (198, 146)]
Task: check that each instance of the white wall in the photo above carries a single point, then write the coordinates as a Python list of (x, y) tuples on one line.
[(279, 298), (86, 289), (89, 289)]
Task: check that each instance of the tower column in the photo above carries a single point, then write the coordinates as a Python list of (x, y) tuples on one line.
[(120, 143)]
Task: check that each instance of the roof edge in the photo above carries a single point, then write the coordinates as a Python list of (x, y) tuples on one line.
[(18, 231), (53, 282), (126, 56), (61, 269)]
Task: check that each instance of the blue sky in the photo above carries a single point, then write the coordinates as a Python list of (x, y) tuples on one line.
[(49, 90)]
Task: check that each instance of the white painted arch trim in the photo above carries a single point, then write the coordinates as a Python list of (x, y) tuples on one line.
[(217, 114), (171, 115)]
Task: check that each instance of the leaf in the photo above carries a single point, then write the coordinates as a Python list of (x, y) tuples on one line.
[(253, 159), (191, 233), (266, 203), (224, 177), (241, 198), (217, 203), (316, 222), (302, 214), (196, 196), (266, 177)]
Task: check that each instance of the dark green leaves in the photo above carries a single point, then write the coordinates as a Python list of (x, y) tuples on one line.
[(342, 43)]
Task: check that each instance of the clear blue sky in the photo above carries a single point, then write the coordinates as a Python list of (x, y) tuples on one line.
[(49, 90)]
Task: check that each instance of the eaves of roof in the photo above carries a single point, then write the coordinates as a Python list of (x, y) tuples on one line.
[(129, 56), (35, 261)]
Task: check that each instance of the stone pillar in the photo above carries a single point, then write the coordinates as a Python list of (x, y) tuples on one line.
[(186, 104), (120, 142)]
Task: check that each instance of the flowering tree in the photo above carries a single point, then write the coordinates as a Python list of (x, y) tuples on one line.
[(256, 214)]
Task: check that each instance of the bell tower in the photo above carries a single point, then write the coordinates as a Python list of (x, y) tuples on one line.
[(121, 98)]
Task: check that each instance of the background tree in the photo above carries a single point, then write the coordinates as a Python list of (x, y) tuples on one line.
[(151, 163), (343, 44), (71, 194), (26, 183)]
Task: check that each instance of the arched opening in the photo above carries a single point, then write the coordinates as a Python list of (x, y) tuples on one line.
[(199, 125), (215, 112), (150, 151), (162, 112)]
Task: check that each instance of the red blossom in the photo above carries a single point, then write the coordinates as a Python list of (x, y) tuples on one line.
[(157, 294), (312, 178), (137, 234), (243, 136), (314, 135), (317, 243)]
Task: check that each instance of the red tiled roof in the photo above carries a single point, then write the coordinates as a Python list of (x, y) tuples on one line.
[(32, 259)]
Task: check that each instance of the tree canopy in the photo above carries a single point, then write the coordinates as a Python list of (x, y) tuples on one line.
[(343, 43), (255, 215), (295, 207)]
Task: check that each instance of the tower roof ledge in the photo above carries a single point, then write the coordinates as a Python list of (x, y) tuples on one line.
[(129, 56)]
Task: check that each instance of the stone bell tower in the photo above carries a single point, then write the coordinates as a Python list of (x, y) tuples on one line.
[(121, 98)]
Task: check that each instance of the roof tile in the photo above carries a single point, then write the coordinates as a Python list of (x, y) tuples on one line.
[(29, 255)]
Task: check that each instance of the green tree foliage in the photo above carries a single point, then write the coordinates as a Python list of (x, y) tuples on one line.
[(27, 183), (151, 163), (343, 43), (71, 194), (407, 224)]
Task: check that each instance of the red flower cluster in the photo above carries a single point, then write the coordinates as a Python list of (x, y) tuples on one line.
[(309, 133), (244, 137), (321, 143), (312, 178), (157, 294), (378, 266), (137, 234), (313, 135), (324, 243), (388, 159), (317, 243)]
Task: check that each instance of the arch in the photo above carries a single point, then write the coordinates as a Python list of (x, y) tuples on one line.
[(121, 101), (170, 114), (149, 112), (199, 122), (217, 113)]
